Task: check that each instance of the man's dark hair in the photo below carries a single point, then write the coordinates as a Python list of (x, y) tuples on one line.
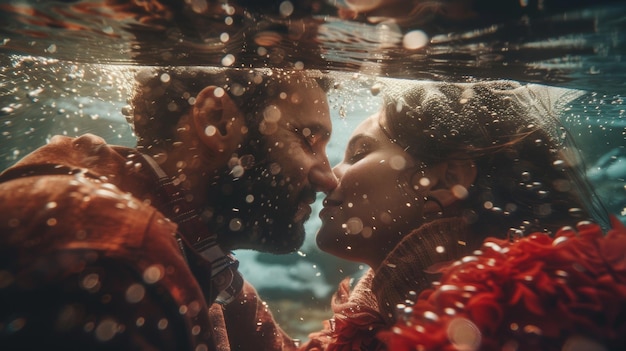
[(162, 95)]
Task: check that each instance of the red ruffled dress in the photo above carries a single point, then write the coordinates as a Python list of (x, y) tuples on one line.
[(566, 292), (535, 293)]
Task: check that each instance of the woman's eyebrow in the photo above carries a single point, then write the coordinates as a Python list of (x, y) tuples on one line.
[(357, 138)]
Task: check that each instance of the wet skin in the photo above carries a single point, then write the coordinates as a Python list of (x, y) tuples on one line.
[(273, 199), (375, 202)]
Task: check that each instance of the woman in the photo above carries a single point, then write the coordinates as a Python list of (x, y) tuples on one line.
[(423, 182)]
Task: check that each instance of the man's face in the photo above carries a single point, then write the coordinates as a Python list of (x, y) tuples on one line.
[(264, 206)]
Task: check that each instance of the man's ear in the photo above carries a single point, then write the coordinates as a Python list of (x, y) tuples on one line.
[(451, 183), (217, 120)]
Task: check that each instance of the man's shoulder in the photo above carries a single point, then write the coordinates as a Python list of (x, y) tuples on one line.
[(73, 182), (85, 151), (67, 207)]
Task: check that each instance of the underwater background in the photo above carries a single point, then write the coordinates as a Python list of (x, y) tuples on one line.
[(66, 67)]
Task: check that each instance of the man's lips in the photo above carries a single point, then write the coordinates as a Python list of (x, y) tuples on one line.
[(303, 212), (304, 207)]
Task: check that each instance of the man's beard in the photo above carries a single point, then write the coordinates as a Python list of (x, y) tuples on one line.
[(256, 211)]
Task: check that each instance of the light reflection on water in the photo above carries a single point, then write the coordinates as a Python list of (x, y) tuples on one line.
[(77, 81), (579, 48)]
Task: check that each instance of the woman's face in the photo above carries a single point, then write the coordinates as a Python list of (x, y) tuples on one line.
[(374, 204)]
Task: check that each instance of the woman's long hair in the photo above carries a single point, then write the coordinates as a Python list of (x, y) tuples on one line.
[(528, 178)]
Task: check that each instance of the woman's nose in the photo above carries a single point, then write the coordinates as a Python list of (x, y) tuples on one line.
[(338, 171), (322, 177)]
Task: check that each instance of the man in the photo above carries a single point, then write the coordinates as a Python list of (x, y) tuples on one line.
[(111, 247)]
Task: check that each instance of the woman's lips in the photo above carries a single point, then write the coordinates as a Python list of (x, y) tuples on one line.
[(331, 207)]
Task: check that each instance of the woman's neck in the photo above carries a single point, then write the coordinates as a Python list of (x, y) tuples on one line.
[(412, 265)]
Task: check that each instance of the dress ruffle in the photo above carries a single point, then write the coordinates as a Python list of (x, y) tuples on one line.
[(536, 293)]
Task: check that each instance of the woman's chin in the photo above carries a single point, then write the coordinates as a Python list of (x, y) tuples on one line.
[(327, 239)]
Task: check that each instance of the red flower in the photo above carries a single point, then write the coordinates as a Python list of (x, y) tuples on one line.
[(537, 292)]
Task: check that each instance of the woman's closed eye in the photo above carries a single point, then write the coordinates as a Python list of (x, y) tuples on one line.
[(357, 151)]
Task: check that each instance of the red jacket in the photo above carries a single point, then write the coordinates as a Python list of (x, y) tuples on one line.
[(86, 263)]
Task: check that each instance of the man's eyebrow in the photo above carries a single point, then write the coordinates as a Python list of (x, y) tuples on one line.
[(317, 128)]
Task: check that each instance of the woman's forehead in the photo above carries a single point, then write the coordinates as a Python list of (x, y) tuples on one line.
[(369, 125)]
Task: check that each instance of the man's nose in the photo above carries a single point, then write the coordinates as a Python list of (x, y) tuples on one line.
[(322, 177)]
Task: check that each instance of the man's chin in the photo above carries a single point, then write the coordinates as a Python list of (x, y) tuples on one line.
[(291, 242), (272, 239)]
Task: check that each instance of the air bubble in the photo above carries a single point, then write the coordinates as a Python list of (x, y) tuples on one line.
[(532, 329), (237, 171), (459, 191), (90, 282), (375, 89), (424, 181), (431, 316), (275, 168), (210, 130), (576, 212), (219, 92), (559, 164), (162, 324), (235, 224), (272, 114), (228, 60), (463, 334), (397, 162), (414, 40), (354, 225), (286, 8), (135, 293), (106, 330), (153, 274)]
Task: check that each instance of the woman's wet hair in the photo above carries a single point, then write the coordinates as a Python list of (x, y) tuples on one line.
[(527, 179), (163, 95)]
